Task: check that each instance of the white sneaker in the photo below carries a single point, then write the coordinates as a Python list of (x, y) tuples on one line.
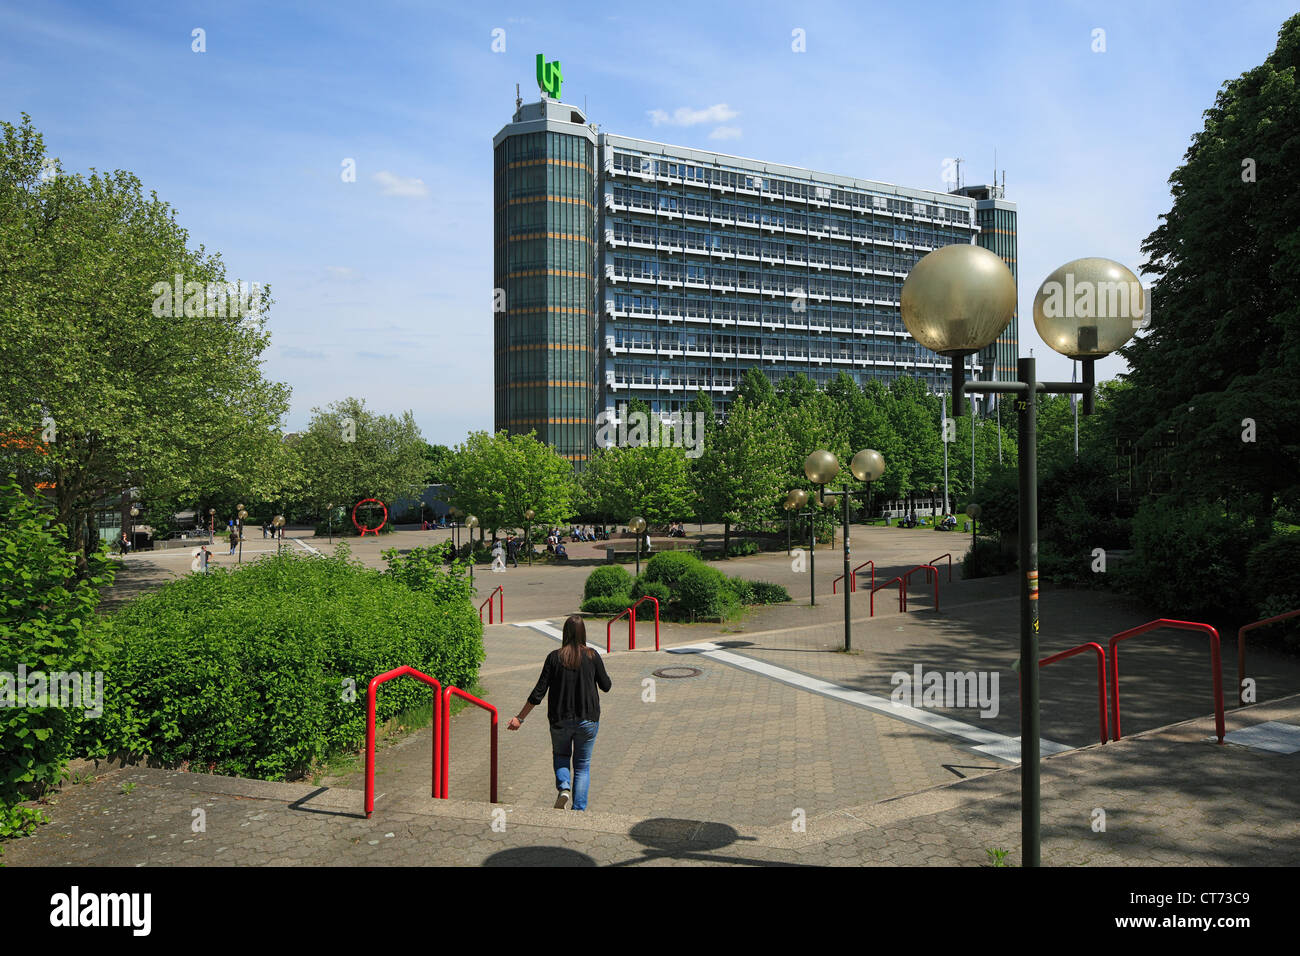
[(563, 800)]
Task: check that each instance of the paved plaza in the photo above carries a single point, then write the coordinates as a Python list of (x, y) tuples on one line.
[(761, 741)]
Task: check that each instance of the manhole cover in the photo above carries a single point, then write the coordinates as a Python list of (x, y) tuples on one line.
[(672, 673)]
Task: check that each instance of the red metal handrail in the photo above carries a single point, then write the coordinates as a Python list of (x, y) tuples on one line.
[(488, 603), (859, 568), (852, 583), (1101, 678), (1241, 648), (940, 558), (931, 574), (370, 728), (609, 640), (1215, 663), (446, 738), (631, 625), (632, 631), (902, 595)]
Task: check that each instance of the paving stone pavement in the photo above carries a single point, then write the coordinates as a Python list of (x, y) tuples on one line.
[(1171, 797)]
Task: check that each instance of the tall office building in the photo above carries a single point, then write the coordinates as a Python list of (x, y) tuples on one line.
[(635, 269)]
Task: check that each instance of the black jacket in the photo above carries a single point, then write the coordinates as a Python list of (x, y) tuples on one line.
[(573, 693)]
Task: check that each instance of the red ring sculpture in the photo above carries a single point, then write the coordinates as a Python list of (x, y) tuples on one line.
[(362, 528)]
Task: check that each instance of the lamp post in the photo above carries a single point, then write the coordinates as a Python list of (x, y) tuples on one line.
[(789, 506), (529, 515), (329, 520), (242, 515), (956, 301), (796, 499), (471, 523), (278, 523), (135, 513), (821, 467), (636, 526), (212, 517), (974, 511), (455, 526), (933, 506)]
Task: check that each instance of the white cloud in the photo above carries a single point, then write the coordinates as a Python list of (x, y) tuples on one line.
[(685, 116), (342, 273), (725, 132), (390, 184)]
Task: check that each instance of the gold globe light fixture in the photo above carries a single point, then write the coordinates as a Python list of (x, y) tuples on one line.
[(1087, 309), (867, 465), (956, 301)]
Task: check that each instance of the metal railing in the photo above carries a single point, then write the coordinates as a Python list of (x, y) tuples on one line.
[(859, 568), (902, 595), (1101, 678), (489, 605), (931, 574), (370, 729), (1241, 649), (940, 558), (631, 625), (1215, 662), (446, 739)]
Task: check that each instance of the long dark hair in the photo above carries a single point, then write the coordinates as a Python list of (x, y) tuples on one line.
[(574, 647)]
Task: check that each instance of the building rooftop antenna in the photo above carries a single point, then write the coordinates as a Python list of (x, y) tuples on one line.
[(519, 100), (958, 161)]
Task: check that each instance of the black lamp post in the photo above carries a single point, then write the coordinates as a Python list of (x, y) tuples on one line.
[(278, 523), (529, 515), (242, 515), (471, 523), (212, 518), (973, 510), (795, 500), (821, 467), (956, 301), (637, 526)]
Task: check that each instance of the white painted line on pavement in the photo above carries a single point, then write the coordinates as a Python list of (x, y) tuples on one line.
[(307, 546), (990, 742), (551, 631)]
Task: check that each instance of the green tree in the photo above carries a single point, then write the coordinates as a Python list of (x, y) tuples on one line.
[(349, 453), (498, 477), (1223, 345), (647, 480), (101, 394)]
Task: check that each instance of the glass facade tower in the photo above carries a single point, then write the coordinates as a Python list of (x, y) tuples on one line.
[(544, 318)]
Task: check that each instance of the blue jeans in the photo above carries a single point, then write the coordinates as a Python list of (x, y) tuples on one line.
[(574, 738)]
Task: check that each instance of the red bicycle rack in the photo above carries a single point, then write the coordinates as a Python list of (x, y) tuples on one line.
[(931, 574), (370, 728), (631, 625), (446, 738), (1101, 678), (902, 595), (940, 558), (1241, 647), (1215, 662), (488, 604)]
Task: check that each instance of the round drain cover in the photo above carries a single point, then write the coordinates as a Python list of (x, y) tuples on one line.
[(672, 673)]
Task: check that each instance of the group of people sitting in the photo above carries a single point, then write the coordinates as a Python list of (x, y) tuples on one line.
[(675, 530), (584, 533)]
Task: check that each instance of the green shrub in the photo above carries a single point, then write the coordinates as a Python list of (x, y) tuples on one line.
[(742, 548), (1273, 585), (742, 589), (1185, 556), (668, 567), (606, 604), (262, 671), (426, 569), (607, 581), (766, 592), (47, 624), (985, 559), (703, 592), (643, 588)]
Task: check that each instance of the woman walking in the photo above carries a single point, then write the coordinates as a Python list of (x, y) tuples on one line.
[(570, 678)]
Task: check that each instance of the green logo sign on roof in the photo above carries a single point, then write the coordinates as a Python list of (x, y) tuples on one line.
[(548, 77)]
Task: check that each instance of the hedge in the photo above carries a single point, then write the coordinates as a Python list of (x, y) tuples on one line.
[(262, 671)]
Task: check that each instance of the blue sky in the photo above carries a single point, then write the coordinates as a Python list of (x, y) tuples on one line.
[(383, 286)]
